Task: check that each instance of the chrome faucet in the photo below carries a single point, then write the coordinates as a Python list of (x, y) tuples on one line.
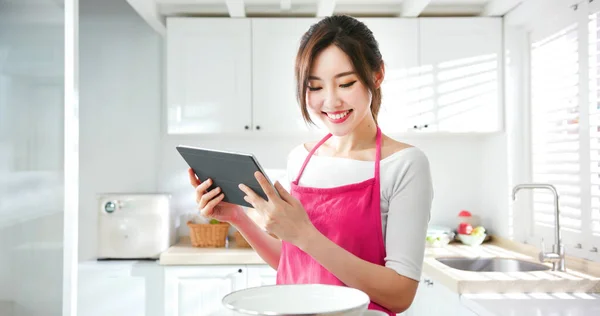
[(557, 256)]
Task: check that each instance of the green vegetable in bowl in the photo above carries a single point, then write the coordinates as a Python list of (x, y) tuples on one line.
[(214, 221)]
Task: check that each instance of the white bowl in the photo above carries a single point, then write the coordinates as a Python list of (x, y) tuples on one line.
[(299, 299), (471, 240)]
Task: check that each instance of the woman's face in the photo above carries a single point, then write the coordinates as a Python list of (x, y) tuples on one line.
[(335, 95)]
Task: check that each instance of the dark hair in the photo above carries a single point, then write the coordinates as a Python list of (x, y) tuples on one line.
[(351, 36)]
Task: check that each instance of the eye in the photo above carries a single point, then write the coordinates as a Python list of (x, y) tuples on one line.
[(314, 88), (347, 85)]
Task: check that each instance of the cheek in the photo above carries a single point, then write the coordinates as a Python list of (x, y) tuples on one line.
[(314, 101), (358, 98)]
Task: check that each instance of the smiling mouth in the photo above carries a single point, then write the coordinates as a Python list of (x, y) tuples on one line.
[(338, 115)]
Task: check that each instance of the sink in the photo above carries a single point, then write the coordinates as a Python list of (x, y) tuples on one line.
[(492, 264)]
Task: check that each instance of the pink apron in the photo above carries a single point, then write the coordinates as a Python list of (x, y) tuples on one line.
[(349, 215)]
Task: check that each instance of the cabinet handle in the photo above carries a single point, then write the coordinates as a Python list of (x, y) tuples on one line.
[(415, 127), (246, 127), (425, 125), (239, 270), (257, 127)]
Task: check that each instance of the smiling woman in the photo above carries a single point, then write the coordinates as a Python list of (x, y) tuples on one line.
[(359, 204)]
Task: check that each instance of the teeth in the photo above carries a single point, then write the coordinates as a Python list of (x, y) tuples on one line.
[(338, 116)]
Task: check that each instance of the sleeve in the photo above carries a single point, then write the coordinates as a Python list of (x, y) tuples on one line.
[(408, 216)]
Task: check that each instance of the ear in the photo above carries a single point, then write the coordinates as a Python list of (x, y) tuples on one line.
[(379, 75)]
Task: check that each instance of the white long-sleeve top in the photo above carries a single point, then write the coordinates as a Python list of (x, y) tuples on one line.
[(406, 196)]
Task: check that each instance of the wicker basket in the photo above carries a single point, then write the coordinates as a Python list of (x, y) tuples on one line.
[(240, 241), (208, 235)]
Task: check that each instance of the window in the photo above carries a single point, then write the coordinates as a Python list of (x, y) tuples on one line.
[(594, 121), (565, 132), (555, 127)]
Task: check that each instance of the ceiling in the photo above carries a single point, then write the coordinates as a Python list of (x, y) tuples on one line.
[(237, 8)]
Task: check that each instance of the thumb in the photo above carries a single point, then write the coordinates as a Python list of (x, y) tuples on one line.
[(283, 193)]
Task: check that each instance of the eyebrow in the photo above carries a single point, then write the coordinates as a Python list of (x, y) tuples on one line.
[(341, 74)]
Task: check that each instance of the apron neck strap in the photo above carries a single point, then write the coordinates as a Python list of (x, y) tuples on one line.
[(312, 151)]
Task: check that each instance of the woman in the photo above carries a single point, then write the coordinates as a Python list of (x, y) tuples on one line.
[(359, 204)]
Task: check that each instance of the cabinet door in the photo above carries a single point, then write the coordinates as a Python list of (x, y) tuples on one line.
[(398, 44), (460, 59), (260, 275), (120, 288), (419, 305), (275, 43), (208, 75), (198, 291)]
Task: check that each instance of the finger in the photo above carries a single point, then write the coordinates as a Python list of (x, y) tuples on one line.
[(209, 196), (211, 205), (251, 197), (193, 179), (284, 193), (201, 189), (204, 186), (266, 186)]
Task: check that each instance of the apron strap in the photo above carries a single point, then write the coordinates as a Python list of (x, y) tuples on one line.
[(310, 155), (377, 154)]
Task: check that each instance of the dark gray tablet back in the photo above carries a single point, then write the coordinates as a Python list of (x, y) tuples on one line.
[(226, 169)]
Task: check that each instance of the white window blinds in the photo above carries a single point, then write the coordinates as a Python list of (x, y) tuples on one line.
[(594, 120), (555, 127)]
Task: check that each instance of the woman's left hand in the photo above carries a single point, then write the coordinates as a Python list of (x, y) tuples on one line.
[(284, 215)]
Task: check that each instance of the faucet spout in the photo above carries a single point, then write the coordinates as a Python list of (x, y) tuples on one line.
[(557, 257)]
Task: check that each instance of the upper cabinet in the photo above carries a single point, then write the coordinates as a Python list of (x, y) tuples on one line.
[(228, 75), (275, 43), (460, 74), (398, 40), (209, 80)]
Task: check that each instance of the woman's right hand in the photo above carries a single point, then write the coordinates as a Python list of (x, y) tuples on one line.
[(211, 203)]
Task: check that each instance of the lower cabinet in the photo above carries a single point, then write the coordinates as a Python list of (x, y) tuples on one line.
[(433, 299), (120, 288), (259, 275), (149, 289), (198, 290)]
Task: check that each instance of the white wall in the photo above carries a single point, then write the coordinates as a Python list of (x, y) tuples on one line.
[(123, 148), (120, 97)]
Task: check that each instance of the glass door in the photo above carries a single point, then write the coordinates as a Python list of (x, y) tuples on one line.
[(36, 190)]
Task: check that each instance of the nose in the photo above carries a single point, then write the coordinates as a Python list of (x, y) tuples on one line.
[(332, 99)]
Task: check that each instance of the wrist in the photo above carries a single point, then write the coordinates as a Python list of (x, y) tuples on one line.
[(239, 217), (308, 239)]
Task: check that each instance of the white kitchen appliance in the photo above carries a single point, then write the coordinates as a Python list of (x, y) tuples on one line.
[(134, 226)]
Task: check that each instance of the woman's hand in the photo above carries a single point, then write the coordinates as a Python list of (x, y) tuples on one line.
[(210, 203), (284, 215)]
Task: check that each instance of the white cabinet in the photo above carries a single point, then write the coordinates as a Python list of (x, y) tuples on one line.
[(275, 43), (198, 290), (259, 275), (208, 75), (237, 75), (434, 299), (120, 288), (460, 75), (398, 41)]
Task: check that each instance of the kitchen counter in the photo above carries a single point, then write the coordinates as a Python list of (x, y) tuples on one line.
[(519, 304), (581, 276), (183, 253)]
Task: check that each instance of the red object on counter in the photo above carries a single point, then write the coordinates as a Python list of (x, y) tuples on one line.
[(464, 213), (465, 228)]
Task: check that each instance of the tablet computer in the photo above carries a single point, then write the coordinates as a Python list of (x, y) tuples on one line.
[(227, 170)]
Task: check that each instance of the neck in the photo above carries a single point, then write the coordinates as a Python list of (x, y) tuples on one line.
[(362, 137)]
